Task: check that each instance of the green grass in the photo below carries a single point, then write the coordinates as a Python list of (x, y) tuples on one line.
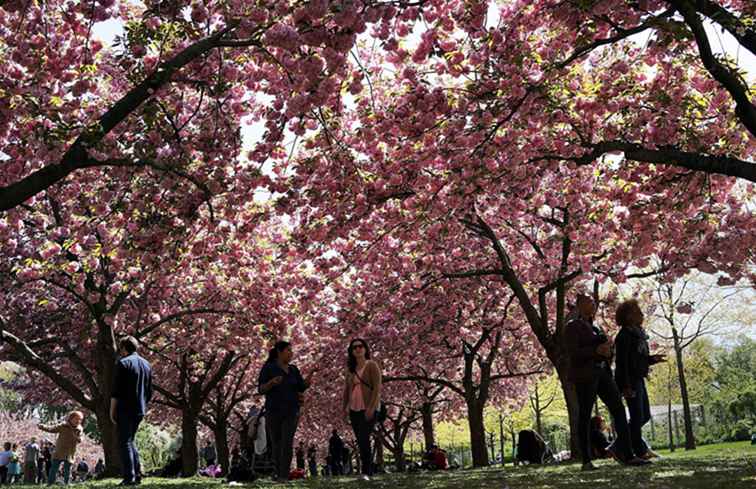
[(727, 466)]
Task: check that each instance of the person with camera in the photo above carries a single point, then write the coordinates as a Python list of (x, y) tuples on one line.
[(590, 353)]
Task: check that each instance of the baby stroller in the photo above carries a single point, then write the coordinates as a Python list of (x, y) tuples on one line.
[(256, 457), (533, 449)]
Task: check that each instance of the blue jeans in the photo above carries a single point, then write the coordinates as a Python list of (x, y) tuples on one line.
[(53, 475), (127, 428), (640, 413)]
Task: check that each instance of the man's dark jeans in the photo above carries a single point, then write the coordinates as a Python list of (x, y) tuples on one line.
[(640, 413), (281, 429), (130, 466), (602, 386)]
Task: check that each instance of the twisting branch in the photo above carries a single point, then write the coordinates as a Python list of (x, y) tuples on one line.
[(738, 89)]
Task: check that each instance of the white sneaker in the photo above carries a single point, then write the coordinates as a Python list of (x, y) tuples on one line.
[(364, 477)]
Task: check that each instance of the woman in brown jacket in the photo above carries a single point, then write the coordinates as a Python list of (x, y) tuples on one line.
[(362, 396), (69, 436)]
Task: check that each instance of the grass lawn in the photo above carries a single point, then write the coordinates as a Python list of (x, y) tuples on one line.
[(724, 466)]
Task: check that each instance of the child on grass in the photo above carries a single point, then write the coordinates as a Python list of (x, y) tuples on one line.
[(70, 434)]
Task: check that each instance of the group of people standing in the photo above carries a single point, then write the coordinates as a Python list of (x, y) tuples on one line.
[(591, 353), (42, 461), (590, 350), (283, 386)]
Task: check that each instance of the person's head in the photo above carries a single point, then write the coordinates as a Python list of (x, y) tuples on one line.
[(15, 446), (7, 446), (629, 314), (597, 423), (585, 306), (33, 439), (281, 352), (129, 345), (75, 418), (335, 433), (358, 350)]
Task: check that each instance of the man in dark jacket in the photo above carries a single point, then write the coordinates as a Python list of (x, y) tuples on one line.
[(132, 391), (633, 361), (590, 354)]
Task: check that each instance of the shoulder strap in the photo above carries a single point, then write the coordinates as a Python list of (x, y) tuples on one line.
[(361, 380)]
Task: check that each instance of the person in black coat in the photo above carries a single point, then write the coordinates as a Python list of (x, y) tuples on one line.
[(132, 392), (335, 451), (283, 387), (633, 361)]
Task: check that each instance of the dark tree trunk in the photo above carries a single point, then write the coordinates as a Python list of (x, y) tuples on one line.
[(399, 459), (189, 455), (106, 356), (477, 434), (501, 438), (690, 438), (428, 434), (220, 434), (669, 425), (379, 462), (570, 400), (109, 440)]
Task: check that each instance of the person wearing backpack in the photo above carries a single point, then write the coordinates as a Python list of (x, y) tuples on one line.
[(362, 398)]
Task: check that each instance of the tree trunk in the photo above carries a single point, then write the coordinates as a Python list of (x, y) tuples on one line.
[(221, 444), (571, 401), (109, 440), (477, 434), (428, 434), (501, 438), (669, 412), (399, 459), (379, 462), (537, 409), (690, 439), (189, 455)]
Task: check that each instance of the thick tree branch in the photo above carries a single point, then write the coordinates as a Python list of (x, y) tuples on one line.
[(77, 156), (665, 155), (738, 89), (39, 364)]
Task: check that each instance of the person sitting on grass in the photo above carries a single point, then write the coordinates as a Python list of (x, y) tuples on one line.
[(599, 441), (70, 434)]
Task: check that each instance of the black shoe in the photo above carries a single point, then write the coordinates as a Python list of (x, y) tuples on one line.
[(128, 483), (588, 466), (637, 462)]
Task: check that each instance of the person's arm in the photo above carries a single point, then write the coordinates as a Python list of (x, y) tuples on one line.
[(148, 387), (51, 429), (266, 381), (117, 391), (345, 403), (302, 384), (377, 382), (622, 370)]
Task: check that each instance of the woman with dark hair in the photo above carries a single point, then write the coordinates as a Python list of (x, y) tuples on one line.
[(632, 367), (362, 396), (283, 386)]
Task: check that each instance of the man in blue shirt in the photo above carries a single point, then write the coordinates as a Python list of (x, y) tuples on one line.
[(132, 391)]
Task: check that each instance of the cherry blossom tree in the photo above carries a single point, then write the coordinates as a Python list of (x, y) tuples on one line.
[(172, 94)]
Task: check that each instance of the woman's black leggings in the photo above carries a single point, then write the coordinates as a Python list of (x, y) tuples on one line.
[(362, 431)]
